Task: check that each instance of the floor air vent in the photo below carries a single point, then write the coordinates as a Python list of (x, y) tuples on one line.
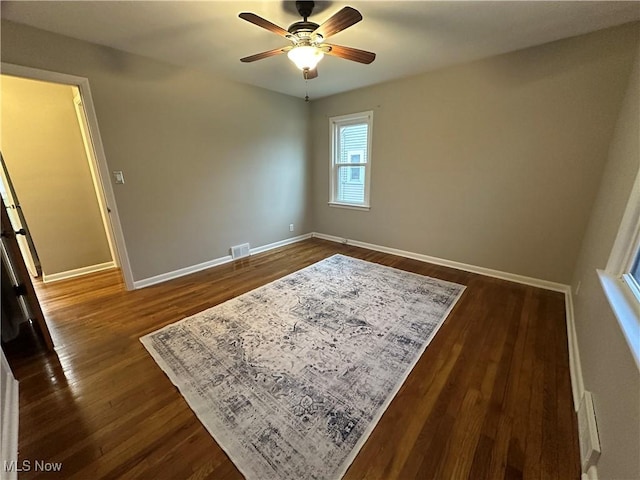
[(240, 251)]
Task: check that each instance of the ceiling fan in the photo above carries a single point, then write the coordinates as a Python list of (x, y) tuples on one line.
[(307, 39)]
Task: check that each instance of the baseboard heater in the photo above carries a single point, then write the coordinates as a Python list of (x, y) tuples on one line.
[(588, 433)]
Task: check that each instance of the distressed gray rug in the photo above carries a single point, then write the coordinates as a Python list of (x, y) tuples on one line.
[(291, 378)]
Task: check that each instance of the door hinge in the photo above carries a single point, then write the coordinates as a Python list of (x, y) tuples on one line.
[(20, 289)]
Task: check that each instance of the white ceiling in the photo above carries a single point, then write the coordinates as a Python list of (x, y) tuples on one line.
[(408, 37)]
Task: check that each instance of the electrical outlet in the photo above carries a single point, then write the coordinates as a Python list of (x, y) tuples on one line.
[(118, 176), (291, 227)]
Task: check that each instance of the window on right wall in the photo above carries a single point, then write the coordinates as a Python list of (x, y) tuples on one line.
[(351, 160), (632, 274), (621, 277)]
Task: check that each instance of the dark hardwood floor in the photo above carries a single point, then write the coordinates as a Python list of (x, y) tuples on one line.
[(489, 399)]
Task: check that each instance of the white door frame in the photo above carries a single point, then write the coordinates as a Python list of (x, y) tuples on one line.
[(93, 167), (103, 169)]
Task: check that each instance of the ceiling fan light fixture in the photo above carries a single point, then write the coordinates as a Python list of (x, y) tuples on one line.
[(305, 57)]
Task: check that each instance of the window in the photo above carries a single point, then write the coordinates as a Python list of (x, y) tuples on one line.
[(621, 277), (631, 274), (624, 261), (635, 271), (633, 277), (351, 160)]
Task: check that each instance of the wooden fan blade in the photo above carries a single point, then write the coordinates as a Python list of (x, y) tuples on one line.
[(349, 53), (261, 55), (343, 19), (261, 22), (309, 74)]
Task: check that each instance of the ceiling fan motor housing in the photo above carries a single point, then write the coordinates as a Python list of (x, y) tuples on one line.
[(302, 27), (305, 53), (303, 30)]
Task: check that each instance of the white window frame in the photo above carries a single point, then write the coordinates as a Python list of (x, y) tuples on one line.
[(630, 281), (334, 125), (620, 288)]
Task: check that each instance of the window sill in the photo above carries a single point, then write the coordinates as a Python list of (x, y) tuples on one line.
[(626, 309), (349, 206)]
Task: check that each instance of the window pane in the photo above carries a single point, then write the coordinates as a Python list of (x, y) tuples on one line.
[(353, 143), (351, 190), (635, 271)]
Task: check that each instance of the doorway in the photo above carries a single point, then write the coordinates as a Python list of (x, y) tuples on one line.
[(48, 174), (103, 228)]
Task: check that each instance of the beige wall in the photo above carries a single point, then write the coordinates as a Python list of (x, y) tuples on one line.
[(208, 163), (43, 150), (608, 367), (494, 163)]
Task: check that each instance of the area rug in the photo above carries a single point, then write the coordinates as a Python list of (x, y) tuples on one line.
[(291, 378)]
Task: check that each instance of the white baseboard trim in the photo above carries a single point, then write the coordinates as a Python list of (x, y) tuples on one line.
[(592, 474), (575, 367), (56, 277), (181, 272), (164, 277), (281, 243), (10, 418), (512, 277)]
